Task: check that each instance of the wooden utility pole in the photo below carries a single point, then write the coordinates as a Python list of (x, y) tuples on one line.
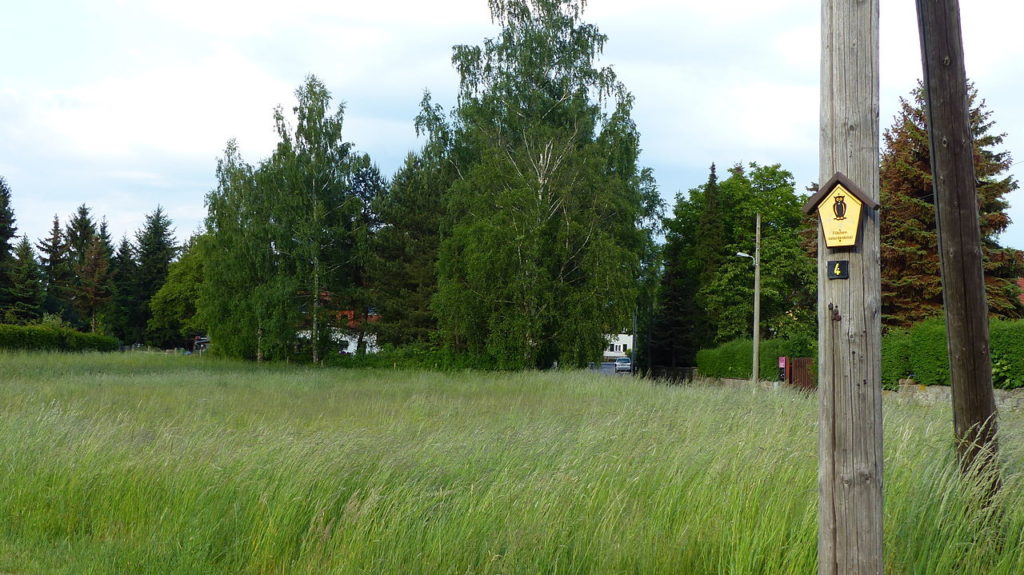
[(849, 299), (755, 372), (956, 216)]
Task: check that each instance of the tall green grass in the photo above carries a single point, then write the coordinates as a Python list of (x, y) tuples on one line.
[(143, 463)]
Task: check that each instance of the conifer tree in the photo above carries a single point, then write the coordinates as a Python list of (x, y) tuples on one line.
[(79, 233), (121, 308), (156, 249), (92, 286), (707, 290), (911, 279), (405, 249), (25, 298), (7, 234), (57, 271), (681, 325)]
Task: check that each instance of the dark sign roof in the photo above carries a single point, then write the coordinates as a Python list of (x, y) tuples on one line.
[(839, 178)]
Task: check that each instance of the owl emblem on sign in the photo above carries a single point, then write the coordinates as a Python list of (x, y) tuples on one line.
[(839, 207)]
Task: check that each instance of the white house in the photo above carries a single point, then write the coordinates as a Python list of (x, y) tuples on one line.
[(619, 345)]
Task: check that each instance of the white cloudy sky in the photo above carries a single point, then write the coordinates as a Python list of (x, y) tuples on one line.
[(126, 104)]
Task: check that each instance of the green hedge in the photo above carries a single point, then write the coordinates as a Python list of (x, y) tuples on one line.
[(918, 353), (1006, 338), (896, 350), (732, 360), (921, 354), (42, 337), (929, 359)]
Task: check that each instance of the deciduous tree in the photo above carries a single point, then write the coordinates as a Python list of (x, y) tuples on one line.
[(173, 307), (546, 215), (706, 292)]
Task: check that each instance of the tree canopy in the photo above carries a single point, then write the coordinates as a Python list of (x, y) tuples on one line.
[(282, 253), (547, 214), (911, 279), (706, 295)]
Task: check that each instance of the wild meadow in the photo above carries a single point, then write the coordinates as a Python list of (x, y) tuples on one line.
[(148, 463)]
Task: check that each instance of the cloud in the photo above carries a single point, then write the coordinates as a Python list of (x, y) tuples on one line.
[(126, 104)]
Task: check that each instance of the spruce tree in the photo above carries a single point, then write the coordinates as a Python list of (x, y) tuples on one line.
[(121, 307), (79, 233), (156, 249), (405, 248), (7, 234), (911, 279), (25, 298), (93, 285), (57, 271), (680, 324)]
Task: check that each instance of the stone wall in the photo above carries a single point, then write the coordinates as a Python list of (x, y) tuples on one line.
[(1008, 400)]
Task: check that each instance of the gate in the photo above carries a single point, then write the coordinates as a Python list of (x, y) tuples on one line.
[(800, 372)]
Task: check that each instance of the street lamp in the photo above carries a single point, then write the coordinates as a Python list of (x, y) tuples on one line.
[(755, 371)]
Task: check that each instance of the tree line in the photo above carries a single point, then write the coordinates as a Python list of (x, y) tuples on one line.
[(76, 276), (522, 233)]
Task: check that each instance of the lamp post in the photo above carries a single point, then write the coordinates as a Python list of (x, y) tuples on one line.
[(755, 374)]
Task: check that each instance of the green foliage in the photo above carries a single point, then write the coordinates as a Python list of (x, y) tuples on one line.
[(403, 265), (897, 348), (287, 241), (8, 232), (733, 359), (51, 338), (920, 353), (155, 249), (121, 315), (57, 269), (911, 279), (173, 307), (550, 214), (707, 290), (25, 290), (929, 359), (1006, 339)]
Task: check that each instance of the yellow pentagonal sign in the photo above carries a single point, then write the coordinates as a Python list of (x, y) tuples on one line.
[(839, 213), (840, 204)]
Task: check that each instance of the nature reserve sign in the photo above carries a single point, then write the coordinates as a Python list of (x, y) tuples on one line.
[(840, 203)]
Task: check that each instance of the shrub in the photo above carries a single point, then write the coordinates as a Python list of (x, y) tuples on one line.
[(732, 360), (1006, 339), (897, 346), (929, 359), (51, 338)]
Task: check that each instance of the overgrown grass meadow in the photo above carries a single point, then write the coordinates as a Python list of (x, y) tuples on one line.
[(143, 463)]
